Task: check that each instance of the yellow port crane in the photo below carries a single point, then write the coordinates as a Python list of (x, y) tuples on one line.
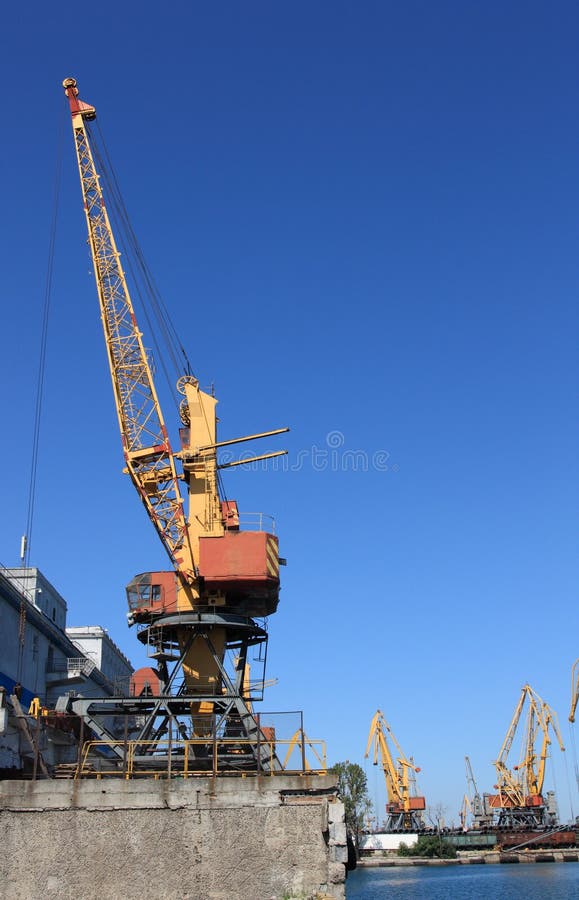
[(574, 690), (520, 800), (403, 810), (573, 709), (222, 577), (463, 813)]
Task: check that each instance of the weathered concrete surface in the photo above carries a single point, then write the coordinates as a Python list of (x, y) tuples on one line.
[(251, 838)]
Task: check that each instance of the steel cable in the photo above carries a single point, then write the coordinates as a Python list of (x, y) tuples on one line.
[(148, 292), (27, 540)]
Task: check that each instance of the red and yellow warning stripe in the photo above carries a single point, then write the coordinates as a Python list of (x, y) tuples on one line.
[(272, 557)]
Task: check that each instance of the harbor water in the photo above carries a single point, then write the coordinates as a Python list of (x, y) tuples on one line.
[(531, 881)]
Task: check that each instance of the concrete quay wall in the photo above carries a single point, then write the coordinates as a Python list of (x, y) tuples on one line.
[(252, 838)]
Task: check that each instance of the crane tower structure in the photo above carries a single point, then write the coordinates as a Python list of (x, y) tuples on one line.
[(519, 801), (222, 579)]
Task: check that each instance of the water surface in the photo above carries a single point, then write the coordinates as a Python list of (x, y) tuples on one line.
[(520, 881)]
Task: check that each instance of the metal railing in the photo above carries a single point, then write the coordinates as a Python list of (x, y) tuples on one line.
[(80, 665), (194, 757), (256, 521)]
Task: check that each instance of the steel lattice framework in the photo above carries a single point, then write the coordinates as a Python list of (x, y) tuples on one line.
[(148, 454)]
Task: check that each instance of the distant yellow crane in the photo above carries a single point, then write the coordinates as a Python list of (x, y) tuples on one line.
[(574, 690), (574, 701), (465, 809), (404, 811), (520, 800)]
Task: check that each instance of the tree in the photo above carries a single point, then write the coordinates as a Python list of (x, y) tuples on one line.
[(429, 845), (353, 790), (435, 815)]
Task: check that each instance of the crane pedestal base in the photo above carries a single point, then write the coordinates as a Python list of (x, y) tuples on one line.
[(170, 727)]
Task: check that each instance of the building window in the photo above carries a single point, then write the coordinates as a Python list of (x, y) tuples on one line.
[(54, 613), (35, 647)]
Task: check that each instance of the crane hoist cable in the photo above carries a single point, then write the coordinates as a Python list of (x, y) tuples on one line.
[(40, 379), (42, 353), (144, 288), (144, 285), (575, 764), (567, 784), (574, 690), (572, 711), (174, 345), (148, 292)]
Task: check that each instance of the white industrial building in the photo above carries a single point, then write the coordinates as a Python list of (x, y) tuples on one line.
[(45, 659), (381, 842), (94, 643)]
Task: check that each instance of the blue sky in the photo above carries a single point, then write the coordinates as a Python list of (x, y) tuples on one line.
[(363, 218)]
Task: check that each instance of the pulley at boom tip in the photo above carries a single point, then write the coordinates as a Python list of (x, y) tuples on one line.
[(77, 106)]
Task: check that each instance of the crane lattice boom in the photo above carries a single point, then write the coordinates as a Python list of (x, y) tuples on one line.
[(148, 454)]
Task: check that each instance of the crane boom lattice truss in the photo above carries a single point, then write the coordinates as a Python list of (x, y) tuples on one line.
[(148, 454)]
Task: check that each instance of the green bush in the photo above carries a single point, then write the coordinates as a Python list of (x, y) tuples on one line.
[(431, 846)]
